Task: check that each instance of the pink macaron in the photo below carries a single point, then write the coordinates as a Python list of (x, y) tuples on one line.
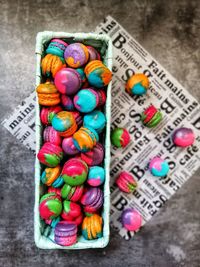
[(52, 136)]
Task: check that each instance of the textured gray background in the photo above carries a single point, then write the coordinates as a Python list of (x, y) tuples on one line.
[(170, 31)]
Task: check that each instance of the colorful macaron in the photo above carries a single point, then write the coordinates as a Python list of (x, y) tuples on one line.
[(137, 84), (65, 233), (151, 117), (96, 176), (50, 154), (52, 136), (64, 123), (98, 74), (51, 64), (49, 175), (120, 137), (50, 206), (95, 119), (48, 95), (68, 81), (76, 55), (69, 147), (73, 193), (95, 156), (47, 114), (74, 172), (131, 219), (86, 100), (72, 212), (85, 139), (126, 182), (92, 199), (56, 47), (93, 54), (92, 227), (183, 137), (67, 103), (158, 167)]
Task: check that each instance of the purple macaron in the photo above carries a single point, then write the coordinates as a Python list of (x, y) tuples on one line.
[(65, 233), (67, 103), (68, 81), (95, 156), (69, 147), (92, 200), (76, 55)]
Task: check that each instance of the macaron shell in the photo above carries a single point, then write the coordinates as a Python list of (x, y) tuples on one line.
[(158, 167), (126, 182), (50, 154), (76, 55), (51, 64), (69, 147), (47, 114), (96, 119), (56, 47), (96, 176), (95, 156), (137, 84), (52, 136), (131, 219), (50, 206), (84, 96), (49, 175)]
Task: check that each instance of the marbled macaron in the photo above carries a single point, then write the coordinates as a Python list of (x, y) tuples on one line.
[(50, 206), (137, 84), (151, 116), (47, 94), (96, 120), (93, 53), (96, 176), (49, 175), (158, 167), (50, 154), (126, 182), (92, 199), (120, 137), (67, 102), (68, 81), (95, 156), (72, 193), (92, 227), (64, 123), (76, 55), (69, 147), (86, 100), (51, 64), (56, 47), (74, 172), (183, 137), (131, 219), (71, 212)]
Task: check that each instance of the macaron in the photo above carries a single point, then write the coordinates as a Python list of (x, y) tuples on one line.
[(69, 147), (65, 233), (96, 120), (158, 167), (51, 64), (96, 176), (56, 47), (64, 123), (49, 175), (53, 222), (76, 55), (72, 193), (86, 100), (48, 95), (98, 74), (120, 137), (85, 139), (93, 54), (183, 137), (102, 97), (151, 116), (68, 81), (47, 114), (71, 212), (126, 182), (92, 199), (137, 84), (52, 136), (50, 206), (92, 227), (67, 103), (50, 154), (131, 219), (95, 156), (74, 172)]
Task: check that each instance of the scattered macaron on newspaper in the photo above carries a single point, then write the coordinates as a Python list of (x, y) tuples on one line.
[(72, 192)]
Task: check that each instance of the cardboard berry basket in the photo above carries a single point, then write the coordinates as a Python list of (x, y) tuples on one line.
[(104, 45)]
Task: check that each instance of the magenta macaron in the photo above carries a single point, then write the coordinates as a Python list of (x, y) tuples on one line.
[(52, 136), (69, 147), (92, 200), (68, 81), (65, 233), (95, 156)]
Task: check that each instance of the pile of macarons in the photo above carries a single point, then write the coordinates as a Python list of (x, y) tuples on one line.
[(72, 99)]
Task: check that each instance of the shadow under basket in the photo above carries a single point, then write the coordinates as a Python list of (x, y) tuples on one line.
[(104, 45)]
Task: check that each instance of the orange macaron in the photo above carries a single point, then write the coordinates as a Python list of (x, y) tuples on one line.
[(48, 95)]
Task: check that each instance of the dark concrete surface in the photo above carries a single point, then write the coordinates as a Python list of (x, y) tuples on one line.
[(170, 31)]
